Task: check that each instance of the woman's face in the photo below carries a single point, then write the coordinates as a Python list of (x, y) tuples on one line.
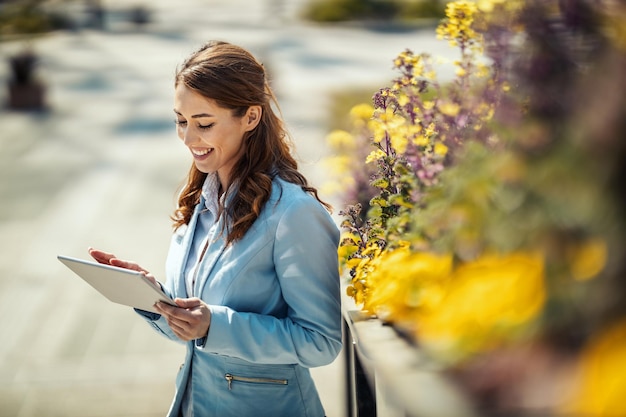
[(212, 134)]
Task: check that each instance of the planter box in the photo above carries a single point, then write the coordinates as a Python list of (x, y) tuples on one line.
[(389, 377)]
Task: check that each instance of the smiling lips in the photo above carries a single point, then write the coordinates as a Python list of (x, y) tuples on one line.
[(201, 152)]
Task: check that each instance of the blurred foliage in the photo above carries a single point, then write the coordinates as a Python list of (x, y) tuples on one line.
[(346, 10), (342, 101), (344, 112), (496, 225), (25, 17), (422, 9)]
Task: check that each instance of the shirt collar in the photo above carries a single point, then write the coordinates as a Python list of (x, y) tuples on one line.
[(210, 192)]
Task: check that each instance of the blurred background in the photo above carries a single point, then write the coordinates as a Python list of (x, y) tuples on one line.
[(89, 157)]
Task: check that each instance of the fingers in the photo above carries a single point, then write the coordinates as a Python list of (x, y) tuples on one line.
[(180, 330), (126, 265), (110, 259), (188, 302), (101, 256), (189, 321), (120, 263), (180, 313), (153, 280)]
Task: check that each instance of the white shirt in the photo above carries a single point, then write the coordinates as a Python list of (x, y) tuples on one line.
[(205, 228)]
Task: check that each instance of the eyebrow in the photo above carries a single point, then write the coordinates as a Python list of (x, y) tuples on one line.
[(196, 116)]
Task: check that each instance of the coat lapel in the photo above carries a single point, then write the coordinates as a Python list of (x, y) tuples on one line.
[(186, 248), (217, 245)]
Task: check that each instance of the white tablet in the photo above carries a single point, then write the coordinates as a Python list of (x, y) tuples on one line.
[(122, 286)]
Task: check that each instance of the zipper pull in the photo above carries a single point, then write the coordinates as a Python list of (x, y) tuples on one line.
[(229, 378)]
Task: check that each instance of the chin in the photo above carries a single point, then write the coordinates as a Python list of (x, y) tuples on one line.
[(204, 169)]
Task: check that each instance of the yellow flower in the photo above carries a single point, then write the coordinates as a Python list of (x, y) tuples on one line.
[(418, 71), (482, 70), (339, 165), (430, 130), (449, 109), (489, 115), (488, 299), (338, 187), (413, 129), (407, 58), (403, 99), (375, 155), (487, 6), (441, 149), (403, 244), (362, 112), (350, 291), (400, 280), (414, 134), (421, 140), (399, 140), (344, 252), (457, 25), (392, 126), (601, 388), (588, 259), (353, 263), (484, 111), (350, 235), (515, 282), (340, 139), (385, 116), (372, 249), (377, 129)]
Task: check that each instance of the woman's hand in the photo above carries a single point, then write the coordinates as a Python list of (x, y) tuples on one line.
[(110, 259), (190, 320)]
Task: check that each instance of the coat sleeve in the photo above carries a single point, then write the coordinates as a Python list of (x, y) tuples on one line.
[(158, 322), (305, 259), (155, 320)]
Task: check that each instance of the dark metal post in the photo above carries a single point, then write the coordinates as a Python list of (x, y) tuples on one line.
[(361, 398)]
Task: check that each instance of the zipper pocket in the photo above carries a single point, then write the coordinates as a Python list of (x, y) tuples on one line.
[(230, 378)]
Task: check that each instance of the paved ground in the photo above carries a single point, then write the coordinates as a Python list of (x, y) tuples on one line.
[(102, 167)]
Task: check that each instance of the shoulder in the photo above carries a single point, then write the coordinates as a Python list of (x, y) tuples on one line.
[(291, 208), (287, 196)]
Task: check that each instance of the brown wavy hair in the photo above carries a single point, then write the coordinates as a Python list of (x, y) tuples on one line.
[(235, 80)]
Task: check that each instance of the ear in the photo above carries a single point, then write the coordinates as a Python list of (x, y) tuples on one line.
[(252, 118)]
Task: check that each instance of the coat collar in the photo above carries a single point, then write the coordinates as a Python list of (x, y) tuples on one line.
[(216, 243)]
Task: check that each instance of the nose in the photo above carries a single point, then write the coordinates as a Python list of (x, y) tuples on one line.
[(187, 136)]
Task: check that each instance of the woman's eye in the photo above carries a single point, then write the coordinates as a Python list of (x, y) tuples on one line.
[(180, 122), (205, 127)]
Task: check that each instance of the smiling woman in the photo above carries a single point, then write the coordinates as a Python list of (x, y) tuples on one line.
[(257, 304), (213, 134)]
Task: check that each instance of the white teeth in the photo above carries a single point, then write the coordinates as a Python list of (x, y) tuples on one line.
[(201, 152)]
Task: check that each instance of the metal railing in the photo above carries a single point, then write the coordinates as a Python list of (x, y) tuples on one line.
[(387, 376)]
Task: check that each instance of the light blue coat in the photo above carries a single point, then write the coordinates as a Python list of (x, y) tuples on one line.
[(275, 311)]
